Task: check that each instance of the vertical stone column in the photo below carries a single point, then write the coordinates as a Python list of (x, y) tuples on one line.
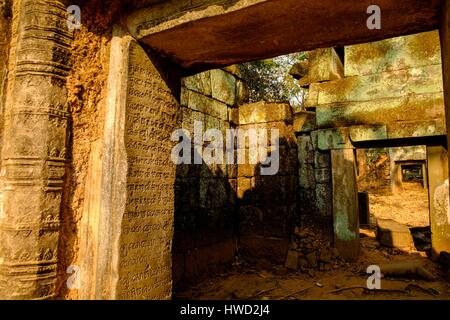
[(396, 177), (345, 203), (438, 199), (33, 150)]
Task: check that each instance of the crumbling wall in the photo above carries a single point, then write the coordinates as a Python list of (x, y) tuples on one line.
[(391, 89), (205, 199), (268, 203), (314, 177)]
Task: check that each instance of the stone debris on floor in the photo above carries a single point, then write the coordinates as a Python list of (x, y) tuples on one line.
[(309, 252)]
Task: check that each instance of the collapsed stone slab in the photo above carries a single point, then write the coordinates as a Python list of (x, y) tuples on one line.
[(393, 234)]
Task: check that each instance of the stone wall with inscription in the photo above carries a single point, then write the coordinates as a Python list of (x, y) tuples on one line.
[(152, 113), (205, 199)]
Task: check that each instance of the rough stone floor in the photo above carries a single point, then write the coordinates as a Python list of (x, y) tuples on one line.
[(262, 281)]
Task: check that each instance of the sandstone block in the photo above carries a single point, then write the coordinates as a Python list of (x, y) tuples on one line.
[(200, 83), (336, 138), (395, 84), (322, 159), (393, 234), (368, 133), (207, 105), (322, 175), (306, 178), (261, 112), (305, 149), (223, 86), (393, 54), (304, 121), (242, 93), (324, 199)]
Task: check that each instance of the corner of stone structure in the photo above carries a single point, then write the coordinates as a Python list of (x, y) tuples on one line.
[(105, 191)]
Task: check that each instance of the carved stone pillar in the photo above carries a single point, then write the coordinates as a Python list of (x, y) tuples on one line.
[(34, 149)]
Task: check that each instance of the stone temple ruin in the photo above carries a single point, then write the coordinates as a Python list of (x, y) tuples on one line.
[(92, 205)]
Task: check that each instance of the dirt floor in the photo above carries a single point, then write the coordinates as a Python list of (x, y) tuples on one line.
[(263, 281), (408, 207)]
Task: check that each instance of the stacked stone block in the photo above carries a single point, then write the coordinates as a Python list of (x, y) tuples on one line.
[(268, 203), (314, 176), (205, 206)]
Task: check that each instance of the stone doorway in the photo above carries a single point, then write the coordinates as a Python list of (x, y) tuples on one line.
[(393, 185)]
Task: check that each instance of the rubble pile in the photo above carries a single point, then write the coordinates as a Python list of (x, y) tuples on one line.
[(309, 253)]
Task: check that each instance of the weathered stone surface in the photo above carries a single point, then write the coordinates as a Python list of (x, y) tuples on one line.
[(345, 204), (408, 153), (394, 84), (305, 149), (312, 100), (235, 70), (223, 86), (262, 112), (408, 129), (169, 27), (322, 175), (299, 69), (410, 107), (398, 53), (34, 148), (207, 105), (337, 138), (322, 159), (184, 99), (324, 65), (233, 116), (437, 160), (307, 202), (242, 93), (368, 133), (189, 116), (324, 199), (304, 121), (393, 235), (149, 187), (200, 83), (306, 176)]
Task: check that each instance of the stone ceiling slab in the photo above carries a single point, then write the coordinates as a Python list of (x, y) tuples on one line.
[(204, 34)]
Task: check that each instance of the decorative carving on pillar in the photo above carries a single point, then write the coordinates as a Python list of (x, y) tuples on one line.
[(34, 150)]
